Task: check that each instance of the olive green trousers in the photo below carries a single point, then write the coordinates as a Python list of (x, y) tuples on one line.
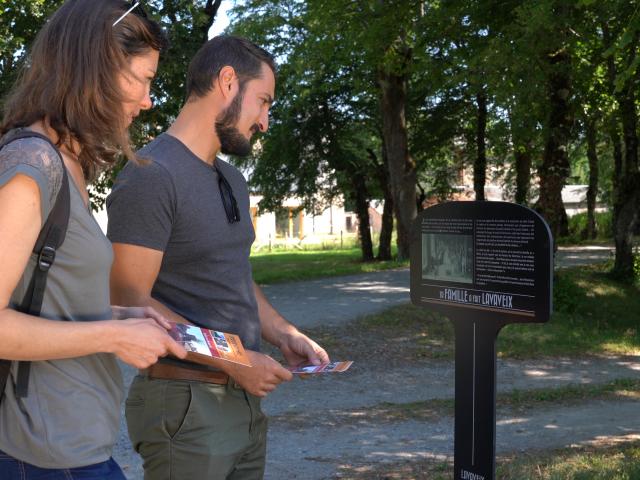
[(187, 430)]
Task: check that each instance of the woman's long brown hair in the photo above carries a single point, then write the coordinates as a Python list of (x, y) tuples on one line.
[(71, 78)]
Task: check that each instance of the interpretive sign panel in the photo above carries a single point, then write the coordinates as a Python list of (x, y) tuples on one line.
[(489, 256), (483, 265)]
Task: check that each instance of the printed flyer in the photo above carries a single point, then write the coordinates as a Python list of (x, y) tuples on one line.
[(203, 345), (333, 367)]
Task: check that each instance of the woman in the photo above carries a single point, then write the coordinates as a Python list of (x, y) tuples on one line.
[(88, 76)]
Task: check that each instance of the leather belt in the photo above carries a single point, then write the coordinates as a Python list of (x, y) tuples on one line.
[(172, 372)]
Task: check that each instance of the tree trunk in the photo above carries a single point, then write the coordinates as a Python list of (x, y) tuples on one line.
[(614, 121), (402, 168), (522, 154), (362, 212), (555, 169), (627, 202), (384, 250), (211, 12), (480, 165), (616, 142), (591, 231), (386, 230)]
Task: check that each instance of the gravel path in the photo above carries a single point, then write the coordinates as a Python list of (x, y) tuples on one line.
[(320, 451), (322, 446), (318, 448), (431, 379)]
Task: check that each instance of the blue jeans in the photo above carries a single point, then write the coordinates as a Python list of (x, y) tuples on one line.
[(13, 469)]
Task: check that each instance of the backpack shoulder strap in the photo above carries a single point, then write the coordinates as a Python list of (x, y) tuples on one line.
[(49, 240)]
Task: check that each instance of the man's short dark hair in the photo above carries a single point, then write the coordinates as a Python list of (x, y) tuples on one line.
[(245, 57)]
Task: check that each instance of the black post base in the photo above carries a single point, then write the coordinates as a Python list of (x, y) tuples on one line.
[(475, 403)]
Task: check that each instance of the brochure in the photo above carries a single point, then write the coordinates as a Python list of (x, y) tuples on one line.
[(203, 345), (333, 367)]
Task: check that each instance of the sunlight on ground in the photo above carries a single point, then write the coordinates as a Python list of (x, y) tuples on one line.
[(512, 421), (628, 394), (613, 440), (536, 373)]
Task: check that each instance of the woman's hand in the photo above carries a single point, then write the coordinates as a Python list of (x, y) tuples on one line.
[(122, 313)]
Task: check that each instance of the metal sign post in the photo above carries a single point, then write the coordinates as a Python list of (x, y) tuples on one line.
[(483, 265)]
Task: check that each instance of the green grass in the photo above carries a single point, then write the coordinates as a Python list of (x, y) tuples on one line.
[(593, 314), (597, 462), (619, 389), (524, 399), (291, 266), (433, 409), (612, 462)]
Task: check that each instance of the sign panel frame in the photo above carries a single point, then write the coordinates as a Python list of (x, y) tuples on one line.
[(495, 257), (483, 265)]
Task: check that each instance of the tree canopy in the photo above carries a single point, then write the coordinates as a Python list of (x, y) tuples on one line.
[(395, 99)]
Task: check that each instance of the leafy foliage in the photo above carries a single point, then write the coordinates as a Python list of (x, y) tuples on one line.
[(328, 136), (187, 24)]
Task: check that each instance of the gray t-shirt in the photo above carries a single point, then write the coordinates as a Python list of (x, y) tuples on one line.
[(173, 205), (70, 417)]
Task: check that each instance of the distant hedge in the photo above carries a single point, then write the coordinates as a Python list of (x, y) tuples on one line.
[(578, 225)]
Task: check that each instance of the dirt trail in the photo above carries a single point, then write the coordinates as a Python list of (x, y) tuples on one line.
[(335, 431), (319, 451), (429, 379)]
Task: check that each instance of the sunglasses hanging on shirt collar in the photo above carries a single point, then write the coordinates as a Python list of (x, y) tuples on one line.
[(228, 200)]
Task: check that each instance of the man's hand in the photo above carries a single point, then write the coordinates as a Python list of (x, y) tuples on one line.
[(264, 375), (298, 349)]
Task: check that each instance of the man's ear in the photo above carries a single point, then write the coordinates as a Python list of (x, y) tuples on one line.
[(227, 82)]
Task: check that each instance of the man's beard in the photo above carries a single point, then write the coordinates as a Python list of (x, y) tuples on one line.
[(232, 142)]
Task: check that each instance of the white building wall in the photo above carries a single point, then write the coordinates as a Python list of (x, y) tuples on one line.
[(314, 227), (265, 227), (329, 222)]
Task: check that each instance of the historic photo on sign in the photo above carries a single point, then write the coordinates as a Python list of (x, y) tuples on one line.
[(447, 257)]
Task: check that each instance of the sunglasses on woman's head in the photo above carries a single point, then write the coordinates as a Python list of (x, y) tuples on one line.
[(136, 8)]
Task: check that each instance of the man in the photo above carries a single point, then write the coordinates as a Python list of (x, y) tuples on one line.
[(182, 234)]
